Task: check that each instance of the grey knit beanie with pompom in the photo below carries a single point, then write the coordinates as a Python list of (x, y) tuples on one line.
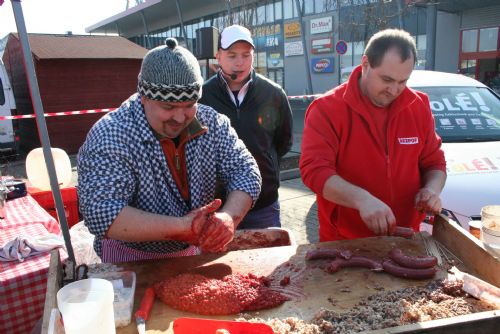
[(170, 73)]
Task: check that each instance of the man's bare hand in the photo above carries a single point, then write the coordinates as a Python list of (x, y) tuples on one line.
[(377, 216), (218, 233), (427, 200)]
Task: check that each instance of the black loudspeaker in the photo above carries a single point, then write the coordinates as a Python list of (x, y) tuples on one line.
[(207, 42)]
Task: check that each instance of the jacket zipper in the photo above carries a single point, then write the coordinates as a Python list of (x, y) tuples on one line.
[(388, 163), (177, 161)]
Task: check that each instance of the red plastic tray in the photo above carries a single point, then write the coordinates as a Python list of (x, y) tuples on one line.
[(209, 326)]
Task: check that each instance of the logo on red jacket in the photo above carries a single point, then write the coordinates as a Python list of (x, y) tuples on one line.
[(408, 141)]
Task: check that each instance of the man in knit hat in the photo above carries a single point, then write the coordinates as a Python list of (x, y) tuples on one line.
[(147, 171)]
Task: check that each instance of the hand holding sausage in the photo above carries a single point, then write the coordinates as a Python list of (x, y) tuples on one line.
[(427, 200), (377, 216)]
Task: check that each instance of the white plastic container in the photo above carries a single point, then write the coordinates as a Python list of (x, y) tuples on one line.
[(124, 289), (87, 307), (490, 228)]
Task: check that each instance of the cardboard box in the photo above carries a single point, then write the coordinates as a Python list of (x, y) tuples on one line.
[(46, 201)]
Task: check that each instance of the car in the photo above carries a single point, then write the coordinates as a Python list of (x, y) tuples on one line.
[(467, 117), (9, 139)]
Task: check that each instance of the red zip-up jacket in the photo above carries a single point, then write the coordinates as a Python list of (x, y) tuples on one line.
[(340, 138)]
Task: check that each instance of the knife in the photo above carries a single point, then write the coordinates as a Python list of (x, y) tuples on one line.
[(142, 314)]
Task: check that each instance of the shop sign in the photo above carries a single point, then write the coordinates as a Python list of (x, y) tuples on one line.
[(292, 29), (275, 60), (294, 49), (266, 30), (321, 25), (321, 45), (322, 65), (261, 59)]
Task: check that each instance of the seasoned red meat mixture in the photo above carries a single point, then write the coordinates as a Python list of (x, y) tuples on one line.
[(232, 294)]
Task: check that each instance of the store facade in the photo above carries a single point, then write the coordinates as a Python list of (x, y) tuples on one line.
[(300, 50), (480, 46)]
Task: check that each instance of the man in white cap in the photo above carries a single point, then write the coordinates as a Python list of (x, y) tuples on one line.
[(147, 172), (259, 111)]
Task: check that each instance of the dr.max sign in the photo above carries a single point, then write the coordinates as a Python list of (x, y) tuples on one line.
[(321, 25)]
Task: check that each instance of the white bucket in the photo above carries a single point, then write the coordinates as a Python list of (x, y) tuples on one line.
[(490, 228), (87, 307)]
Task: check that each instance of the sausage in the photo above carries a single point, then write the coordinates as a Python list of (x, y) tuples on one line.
[(416, 262), (396, 270), (355, 261), (328, 253), (405, 232)]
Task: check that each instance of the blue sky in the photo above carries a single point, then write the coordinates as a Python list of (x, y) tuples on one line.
[(59, 16)]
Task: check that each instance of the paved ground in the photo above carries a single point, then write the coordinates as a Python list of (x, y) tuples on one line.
[(299, 212)]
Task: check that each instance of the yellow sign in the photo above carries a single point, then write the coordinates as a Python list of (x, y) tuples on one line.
[(292, 29), (267, 30)]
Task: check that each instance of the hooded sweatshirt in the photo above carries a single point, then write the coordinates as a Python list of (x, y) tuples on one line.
[(342, 138)]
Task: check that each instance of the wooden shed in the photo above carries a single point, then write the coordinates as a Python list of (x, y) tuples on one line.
[(74, 72)]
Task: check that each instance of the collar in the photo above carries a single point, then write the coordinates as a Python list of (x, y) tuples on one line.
[(243, 90), (353, 95), (192, 130)]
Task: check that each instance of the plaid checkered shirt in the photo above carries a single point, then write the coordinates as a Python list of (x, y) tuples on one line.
[(122, 164)]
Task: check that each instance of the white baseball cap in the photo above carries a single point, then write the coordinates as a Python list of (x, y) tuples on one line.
[(233, 34)]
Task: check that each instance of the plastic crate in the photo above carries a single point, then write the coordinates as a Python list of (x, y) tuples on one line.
[(46, 201)]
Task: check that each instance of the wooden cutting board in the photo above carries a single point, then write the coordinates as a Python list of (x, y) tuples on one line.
[(311, 287)]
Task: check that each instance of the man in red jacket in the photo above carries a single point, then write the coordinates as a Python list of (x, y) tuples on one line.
[(369, 148)]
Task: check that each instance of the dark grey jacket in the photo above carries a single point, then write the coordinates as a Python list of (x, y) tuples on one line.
[(263, 121)]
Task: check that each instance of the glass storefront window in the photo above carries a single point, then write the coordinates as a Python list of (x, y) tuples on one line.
[(319, 6), (288, 8), (236, 18), (421, 49), (278, 10), (469, 41), (488, 39), (468, 68), (270, 13), (261, 15), (308, 7)]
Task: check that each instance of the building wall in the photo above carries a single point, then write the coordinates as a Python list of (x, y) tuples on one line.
[(68, 85), (481, 17), (447, 42)]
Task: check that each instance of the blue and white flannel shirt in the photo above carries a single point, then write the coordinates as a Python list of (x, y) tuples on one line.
[(122, 164)]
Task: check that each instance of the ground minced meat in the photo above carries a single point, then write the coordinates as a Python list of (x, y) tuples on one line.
[(437, 300), (232, 294)]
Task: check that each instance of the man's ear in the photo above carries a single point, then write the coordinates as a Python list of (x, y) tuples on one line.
[(365, 64)]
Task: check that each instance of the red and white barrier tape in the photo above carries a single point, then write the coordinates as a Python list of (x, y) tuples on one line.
[(304, 97), (95, 111), (63, 113)]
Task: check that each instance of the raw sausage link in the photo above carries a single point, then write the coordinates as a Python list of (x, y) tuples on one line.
[(416, 262), (396, 270), (355, 261), (404, 232), (328, 253)]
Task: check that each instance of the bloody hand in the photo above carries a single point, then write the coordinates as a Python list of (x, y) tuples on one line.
[(428, 201), (218, 232), (198, 219)]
